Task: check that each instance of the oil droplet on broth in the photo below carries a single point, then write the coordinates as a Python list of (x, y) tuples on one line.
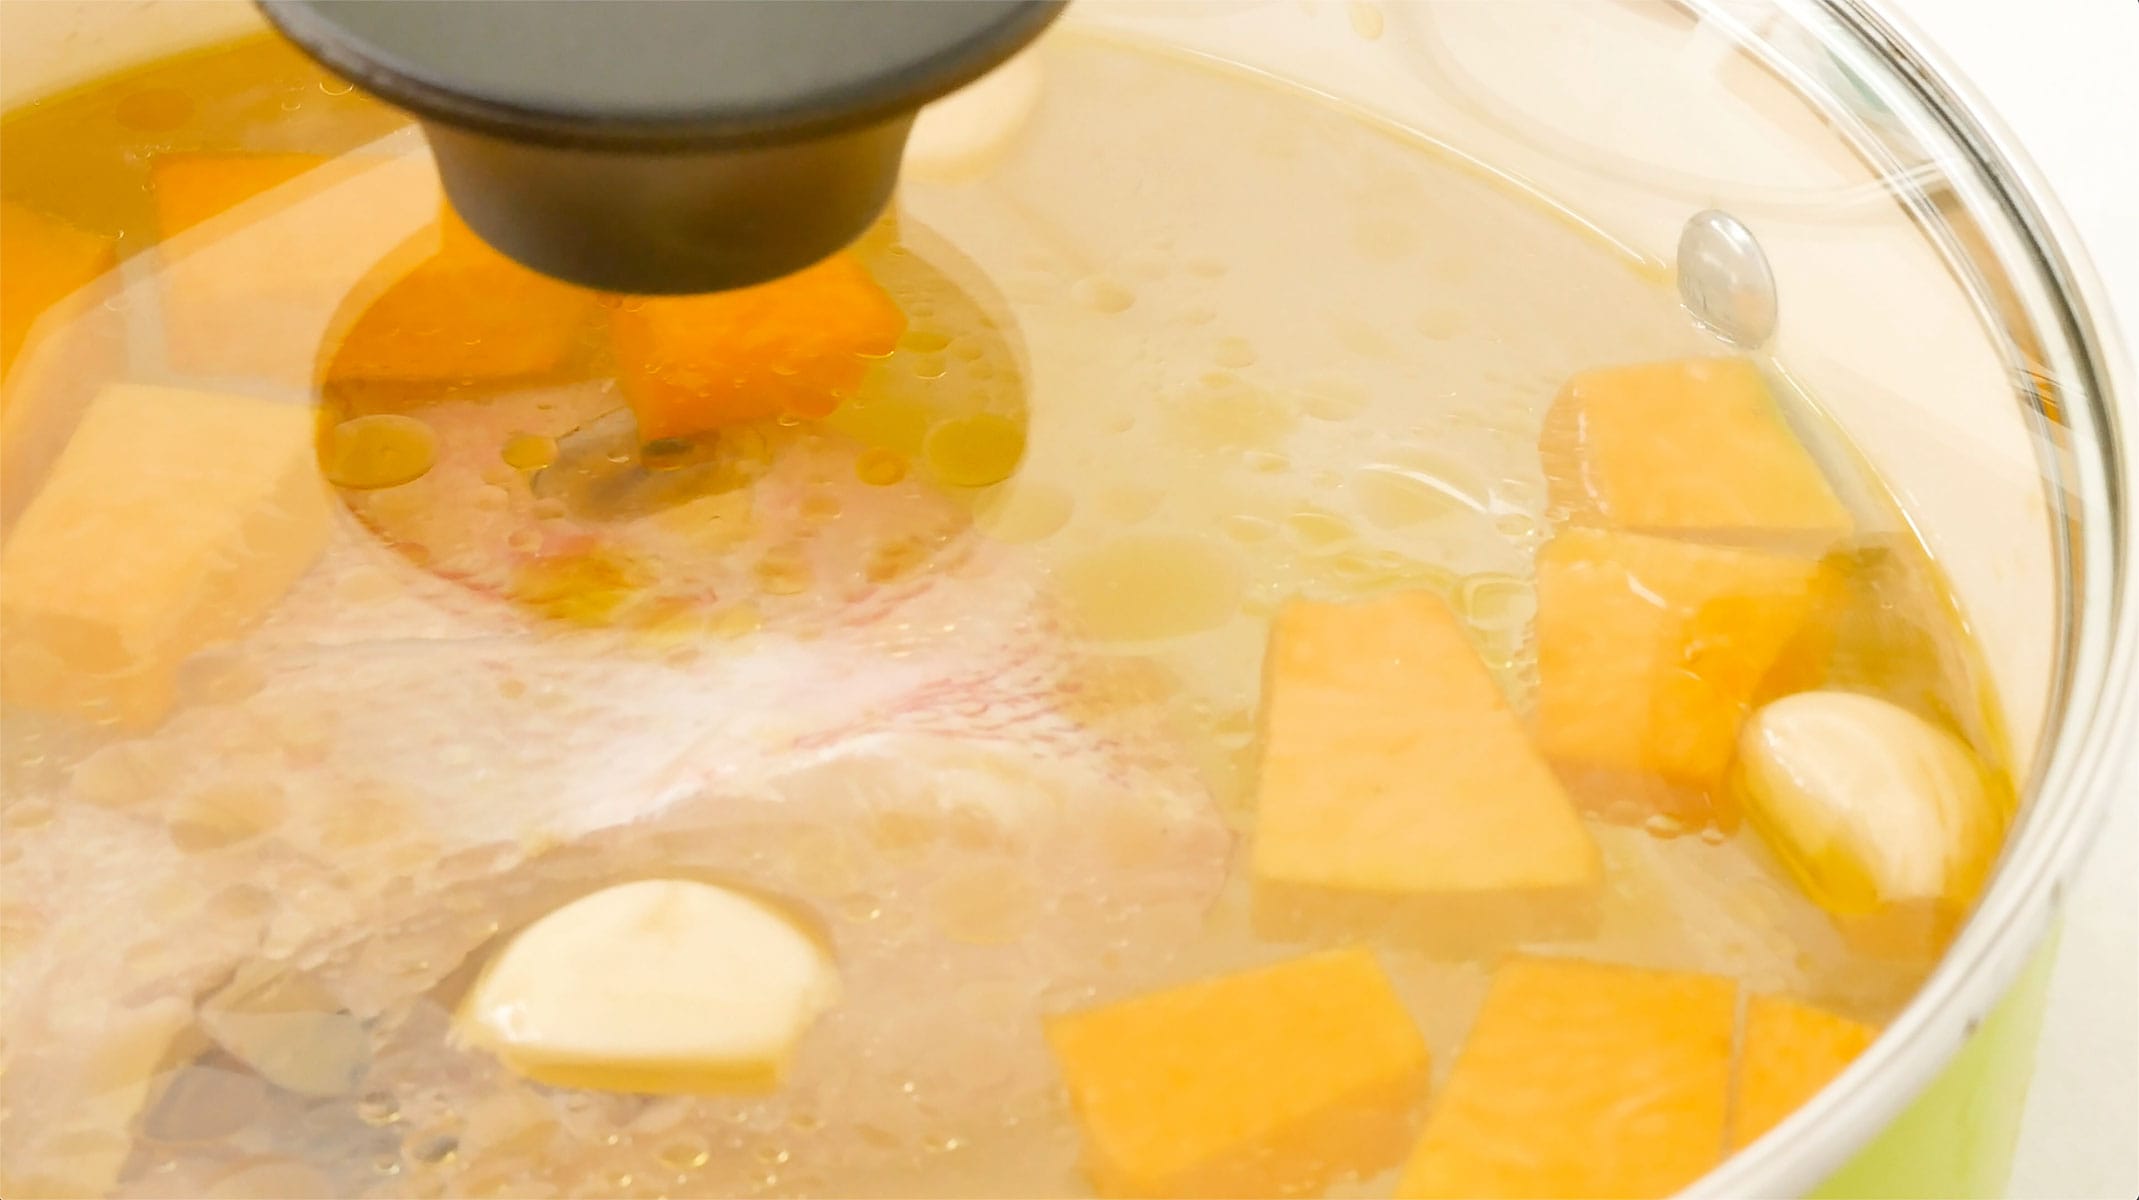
[(1332, 402), (1363, 339), (879, 467), (430, 1148), (1516, 526), (379, 451), (1371, 568), (529, 451), (1022, 513), (1317, 529), (974, 451), (1223, 410), (1128, 505), (377, 1109), (115, 777), (897, 558), (1366, 20), (735, 621), (1152, 586), (1246, 529), (1102, 295), (1395, 497), (686, 1153), (223, 814), (783, 574)]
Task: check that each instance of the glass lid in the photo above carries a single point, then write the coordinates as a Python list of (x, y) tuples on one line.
[(1402, 599)]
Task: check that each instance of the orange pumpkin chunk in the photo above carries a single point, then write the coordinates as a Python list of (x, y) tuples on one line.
[(1392, 762), (1652, 651), (47, 261), (237, 305), (1688, 447), (190, 188), (1272, 1081), (795, 346), (173, 519), (1792, 1050), (467, 312), (1581, 1079), (464, 312)]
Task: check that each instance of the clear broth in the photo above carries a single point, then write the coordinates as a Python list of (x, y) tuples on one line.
[(998, 739)]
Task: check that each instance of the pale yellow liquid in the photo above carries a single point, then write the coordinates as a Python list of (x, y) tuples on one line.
[(1161, 373)]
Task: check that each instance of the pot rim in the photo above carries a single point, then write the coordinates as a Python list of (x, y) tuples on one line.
[(2094, 701)]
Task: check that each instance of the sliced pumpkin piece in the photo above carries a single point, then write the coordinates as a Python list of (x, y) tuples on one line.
[(1582, 1079), (1393, 763), (1792, 1050), (247, 301), (796, 346), (466, 312), (47, 261), (190, 188), (1273, 1081), (1651, 651), (1695, 446), (173, 518)]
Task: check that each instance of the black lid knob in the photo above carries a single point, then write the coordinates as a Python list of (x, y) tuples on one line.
[(664, 146)]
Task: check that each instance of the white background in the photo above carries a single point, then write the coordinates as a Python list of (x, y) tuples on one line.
[(2063, 75)]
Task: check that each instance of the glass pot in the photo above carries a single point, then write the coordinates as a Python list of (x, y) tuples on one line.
[(1930, 295)]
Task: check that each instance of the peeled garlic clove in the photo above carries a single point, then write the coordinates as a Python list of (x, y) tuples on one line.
[(655, 986), (1867, 804), (956, 135)]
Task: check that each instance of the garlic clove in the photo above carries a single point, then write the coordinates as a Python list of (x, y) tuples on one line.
[(1867, 804), (654, 986)]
